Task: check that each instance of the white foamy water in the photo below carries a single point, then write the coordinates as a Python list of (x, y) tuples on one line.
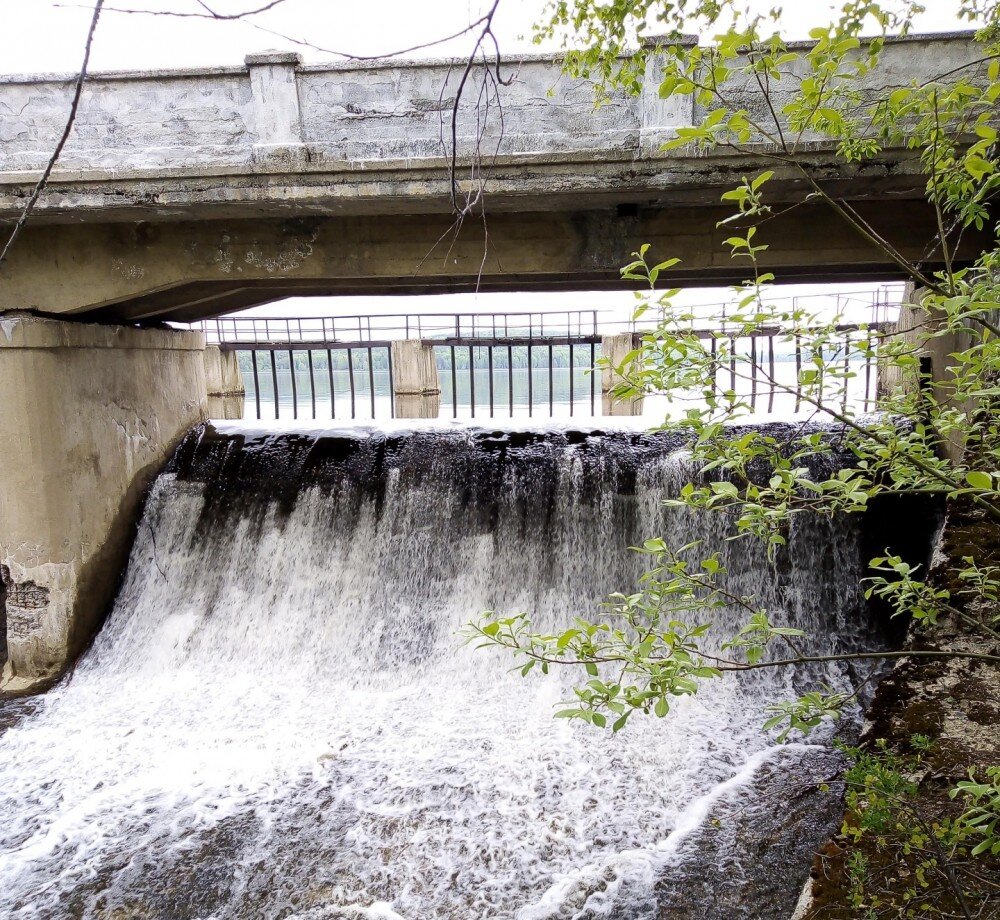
[(278, 719)]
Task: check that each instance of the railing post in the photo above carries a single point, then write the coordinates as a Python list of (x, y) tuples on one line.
[(275, 94), (614, 348), (416, 389)]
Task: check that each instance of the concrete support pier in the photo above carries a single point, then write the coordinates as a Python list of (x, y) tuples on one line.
[(614, 348), (416, 389), (224, 382), (89, 414)]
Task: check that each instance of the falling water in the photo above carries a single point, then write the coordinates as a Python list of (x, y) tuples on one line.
[(278, 720)]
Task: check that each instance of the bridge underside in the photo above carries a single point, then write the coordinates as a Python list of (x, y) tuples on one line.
[(188, 270)]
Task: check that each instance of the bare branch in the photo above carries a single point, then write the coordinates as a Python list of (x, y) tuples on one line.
[(245, 16)]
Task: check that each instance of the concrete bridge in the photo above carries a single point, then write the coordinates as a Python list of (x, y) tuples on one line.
[(184, 195)]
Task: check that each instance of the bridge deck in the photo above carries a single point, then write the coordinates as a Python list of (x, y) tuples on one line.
[(184, 195)]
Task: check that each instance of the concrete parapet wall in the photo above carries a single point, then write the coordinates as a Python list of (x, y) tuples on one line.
[(273, 113), (88, 416)]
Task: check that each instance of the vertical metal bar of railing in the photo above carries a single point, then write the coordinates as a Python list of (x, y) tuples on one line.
[(732, 363), (798, 372), (868, 372), (295, 388), (753, 373), (531, 376), (772, 374), (274, 383), (593, 372), (847, 368), (571, 376), (472, 382), (312, 382), (371, 374), (350, 377), (551, 393), (489, 362), (392, 389), (510, 372), (329, 374), (454, 385), (256, 381), (714, 348)]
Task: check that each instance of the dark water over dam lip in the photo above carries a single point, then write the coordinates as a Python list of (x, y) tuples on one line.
[(278, 721)]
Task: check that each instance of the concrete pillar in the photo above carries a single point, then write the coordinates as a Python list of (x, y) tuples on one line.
[(277, 115), (614, 348), (88, 415), (224, 383), (416, 389), (935, 355)]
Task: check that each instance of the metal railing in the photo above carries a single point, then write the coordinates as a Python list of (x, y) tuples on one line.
[(521, 363), (855, 307), (380, 328), (541, 377), (518, 376), (336, 381)]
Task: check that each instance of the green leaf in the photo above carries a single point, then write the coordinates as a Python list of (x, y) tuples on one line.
[(979, 480)]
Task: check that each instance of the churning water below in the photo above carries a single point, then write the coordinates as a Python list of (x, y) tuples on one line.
[(278, 721)]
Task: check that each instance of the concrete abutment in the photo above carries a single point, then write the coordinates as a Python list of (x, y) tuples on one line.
[(90, 415)]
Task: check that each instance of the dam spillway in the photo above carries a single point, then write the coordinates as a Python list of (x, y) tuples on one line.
[(278, 719)]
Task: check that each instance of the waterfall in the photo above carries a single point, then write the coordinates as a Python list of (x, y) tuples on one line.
[(278, 719)]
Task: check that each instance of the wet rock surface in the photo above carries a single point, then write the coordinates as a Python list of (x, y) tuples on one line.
[(955, 704)]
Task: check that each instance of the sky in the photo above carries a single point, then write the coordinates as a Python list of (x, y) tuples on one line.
[(45, 36)]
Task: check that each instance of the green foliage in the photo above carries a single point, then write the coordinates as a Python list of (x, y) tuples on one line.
[(983, 815), (820, 90), (905, 861), (936, 436)]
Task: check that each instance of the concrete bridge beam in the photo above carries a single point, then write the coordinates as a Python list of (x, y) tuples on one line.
[(88, 415)]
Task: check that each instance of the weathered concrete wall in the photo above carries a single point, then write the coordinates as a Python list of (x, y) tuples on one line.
[(921, 332), (88, 414), (360, 117), (224, 383), (188, 270)]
